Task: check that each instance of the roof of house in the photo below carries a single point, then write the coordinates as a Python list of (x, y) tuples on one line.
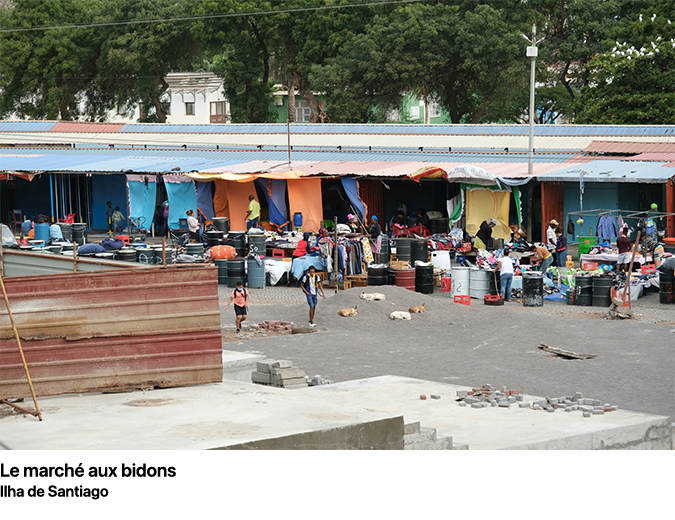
[(612, 171)]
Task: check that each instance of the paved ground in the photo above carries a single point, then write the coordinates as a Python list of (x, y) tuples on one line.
[(477, 344)]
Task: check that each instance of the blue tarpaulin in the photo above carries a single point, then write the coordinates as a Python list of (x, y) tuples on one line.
[(205, 198), (275, 193), (351, 188), (142, 197), (182, 196)]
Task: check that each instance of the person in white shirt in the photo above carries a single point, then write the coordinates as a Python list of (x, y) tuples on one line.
[(505, 268), (193, 226), (551, 239)]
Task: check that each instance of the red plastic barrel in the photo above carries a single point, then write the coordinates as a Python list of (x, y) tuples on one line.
[(405, 278)]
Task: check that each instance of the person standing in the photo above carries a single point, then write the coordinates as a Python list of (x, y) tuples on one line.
[(253, 213), (240, 298), (353, 227), (193, 226), (560, 247), (550, 235), (108, 217), (117, 219), (310, 283), (400, 206), (484, 233), (624, 246), (375, 232), (505, 268)]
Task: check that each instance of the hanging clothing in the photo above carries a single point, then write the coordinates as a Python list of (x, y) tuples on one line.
[(606, 228)]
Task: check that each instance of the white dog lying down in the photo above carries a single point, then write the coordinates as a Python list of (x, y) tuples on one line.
[(400, 315), (369, 297)]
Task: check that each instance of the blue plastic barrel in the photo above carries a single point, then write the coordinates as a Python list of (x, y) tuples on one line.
[(297, 219), (42, 232)]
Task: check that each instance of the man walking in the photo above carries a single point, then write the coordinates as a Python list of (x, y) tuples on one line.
[(253, 213), (309, 283), (108, 217)]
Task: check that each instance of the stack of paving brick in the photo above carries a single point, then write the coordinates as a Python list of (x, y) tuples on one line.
[(279, 373), (572, 403), (487, 395), (273, 326)]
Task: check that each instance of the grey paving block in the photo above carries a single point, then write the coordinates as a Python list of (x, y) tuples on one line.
[(260, 377), (282, 363), (434, 396), (462, 403), (461, 393)]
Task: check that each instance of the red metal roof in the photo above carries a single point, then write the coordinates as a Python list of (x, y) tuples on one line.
[(653, 156), (629, 147), (76, 126)]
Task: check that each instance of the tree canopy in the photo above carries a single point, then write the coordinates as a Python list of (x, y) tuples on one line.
[(82, 59)]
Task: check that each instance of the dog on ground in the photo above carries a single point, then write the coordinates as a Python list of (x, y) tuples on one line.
[(369, 297), (400, 315), (418, 309), (347, 312)]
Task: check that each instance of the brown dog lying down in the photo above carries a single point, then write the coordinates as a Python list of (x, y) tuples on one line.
[(418, 309), (347, 312)]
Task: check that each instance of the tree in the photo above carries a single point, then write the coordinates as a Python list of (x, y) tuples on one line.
[(135, 58), (631, 86), (468, 56), (43, 72)]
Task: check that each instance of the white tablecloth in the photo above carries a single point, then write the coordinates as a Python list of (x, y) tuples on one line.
[(607, 258), (276, 268)]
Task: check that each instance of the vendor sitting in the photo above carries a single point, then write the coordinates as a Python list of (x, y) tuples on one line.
[(422, 221), (485, 234), (303, 246)]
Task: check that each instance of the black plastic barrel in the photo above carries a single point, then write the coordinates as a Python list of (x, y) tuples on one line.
[(438, 226), (666, 288), (424, 279), (391, 276), (65, 230), (213, 238), (221, 264), (127, 254), (533, 289), (256, 244), (222, 224), (195, 249), (236, 272), (419, 250), (239, 242), (377, 276), (584, 290), (602, 290), (79, 232), (145, 255), (384, 249), (411, 221), (403, 249)]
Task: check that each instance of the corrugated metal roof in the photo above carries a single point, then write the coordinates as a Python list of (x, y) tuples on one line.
[(629, 147), (652, 156), (612, 171), (76, 126), (26, 126)]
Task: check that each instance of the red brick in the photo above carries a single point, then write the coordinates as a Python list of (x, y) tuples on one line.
[(423, 397)]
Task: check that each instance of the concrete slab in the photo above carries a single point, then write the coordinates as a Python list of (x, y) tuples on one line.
[(238, 366), (494, 428), (362, 414), (228, 415)]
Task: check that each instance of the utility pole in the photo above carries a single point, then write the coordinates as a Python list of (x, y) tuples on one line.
[(532, 54)]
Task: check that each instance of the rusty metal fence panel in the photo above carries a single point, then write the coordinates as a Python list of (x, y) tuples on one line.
[(92, 332)]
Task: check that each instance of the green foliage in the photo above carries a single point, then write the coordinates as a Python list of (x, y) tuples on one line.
[(631, 86)]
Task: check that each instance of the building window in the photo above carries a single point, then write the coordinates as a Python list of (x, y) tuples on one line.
[(190, 108), (218, 112), (434, 109), (414, 113), (302, 111)]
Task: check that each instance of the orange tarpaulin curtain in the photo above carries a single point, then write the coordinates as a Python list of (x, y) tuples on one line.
[(231, 200), (304, 196)]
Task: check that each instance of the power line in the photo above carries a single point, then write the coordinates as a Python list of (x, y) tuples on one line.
[(208, 16)]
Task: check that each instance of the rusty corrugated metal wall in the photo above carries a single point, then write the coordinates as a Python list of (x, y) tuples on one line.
[(90, 332)]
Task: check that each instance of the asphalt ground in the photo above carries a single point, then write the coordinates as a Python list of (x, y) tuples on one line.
[(476, 344)]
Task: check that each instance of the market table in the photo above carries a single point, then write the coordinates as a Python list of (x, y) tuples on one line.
[(606, 258)]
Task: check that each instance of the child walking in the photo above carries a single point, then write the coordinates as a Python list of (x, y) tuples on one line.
[(240, 299), (117, 219), (310, 283)]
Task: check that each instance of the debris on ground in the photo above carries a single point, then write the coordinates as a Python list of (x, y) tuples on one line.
[(280, 373), (567, 354), (488, 396), (617, 311), (317, 380), (273, 326)]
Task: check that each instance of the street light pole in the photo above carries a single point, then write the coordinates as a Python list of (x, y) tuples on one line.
[(532, 54)]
